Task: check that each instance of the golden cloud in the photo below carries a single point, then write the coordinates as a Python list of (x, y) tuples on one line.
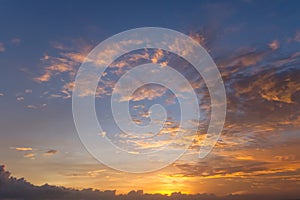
[(23, 148)]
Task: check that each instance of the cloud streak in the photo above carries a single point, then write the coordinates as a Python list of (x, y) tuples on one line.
[(23, 148)]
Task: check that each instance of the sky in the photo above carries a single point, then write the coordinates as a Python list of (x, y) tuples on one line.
[(255, 45)]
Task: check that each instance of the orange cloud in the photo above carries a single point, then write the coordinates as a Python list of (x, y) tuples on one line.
[(66, 62), (29, 155), (23, 148), (271, 92), (149, 92), (44, 78), (158, 55)]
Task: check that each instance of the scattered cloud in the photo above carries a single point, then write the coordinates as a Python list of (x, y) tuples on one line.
[(263, 96), (63, 68)]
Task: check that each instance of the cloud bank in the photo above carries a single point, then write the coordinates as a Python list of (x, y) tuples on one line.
[(13, 188)]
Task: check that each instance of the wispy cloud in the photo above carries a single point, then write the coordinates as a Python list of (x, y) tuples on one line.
[(39, 106), (32, 106), (149, 92), (29, 155), (23, 148), (67, 61)]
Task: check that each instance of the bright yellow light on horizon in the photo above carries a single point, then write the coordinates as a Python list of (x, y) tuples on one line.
[(165, 192), (166, 185)]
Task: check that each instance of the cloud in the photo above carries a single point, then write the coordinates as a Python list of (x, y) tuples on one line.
[(26, 190), (57, 65), (1, 94), (243, 59), (199, 38), (36, 106), (27, 152), (23, 148), (29, 155), (20, 98), (158, 55), (259, 139), (259, 168), (274, 45), (32, 106), (44, 78), (263, 100), (67, 61), (63, 68), (27, 91), (149, 91), (262, 88), (50, 152), (2, 47)]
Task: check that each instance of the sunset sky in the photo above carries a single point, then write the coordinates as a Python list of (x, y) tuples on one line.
[(255, 44)]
